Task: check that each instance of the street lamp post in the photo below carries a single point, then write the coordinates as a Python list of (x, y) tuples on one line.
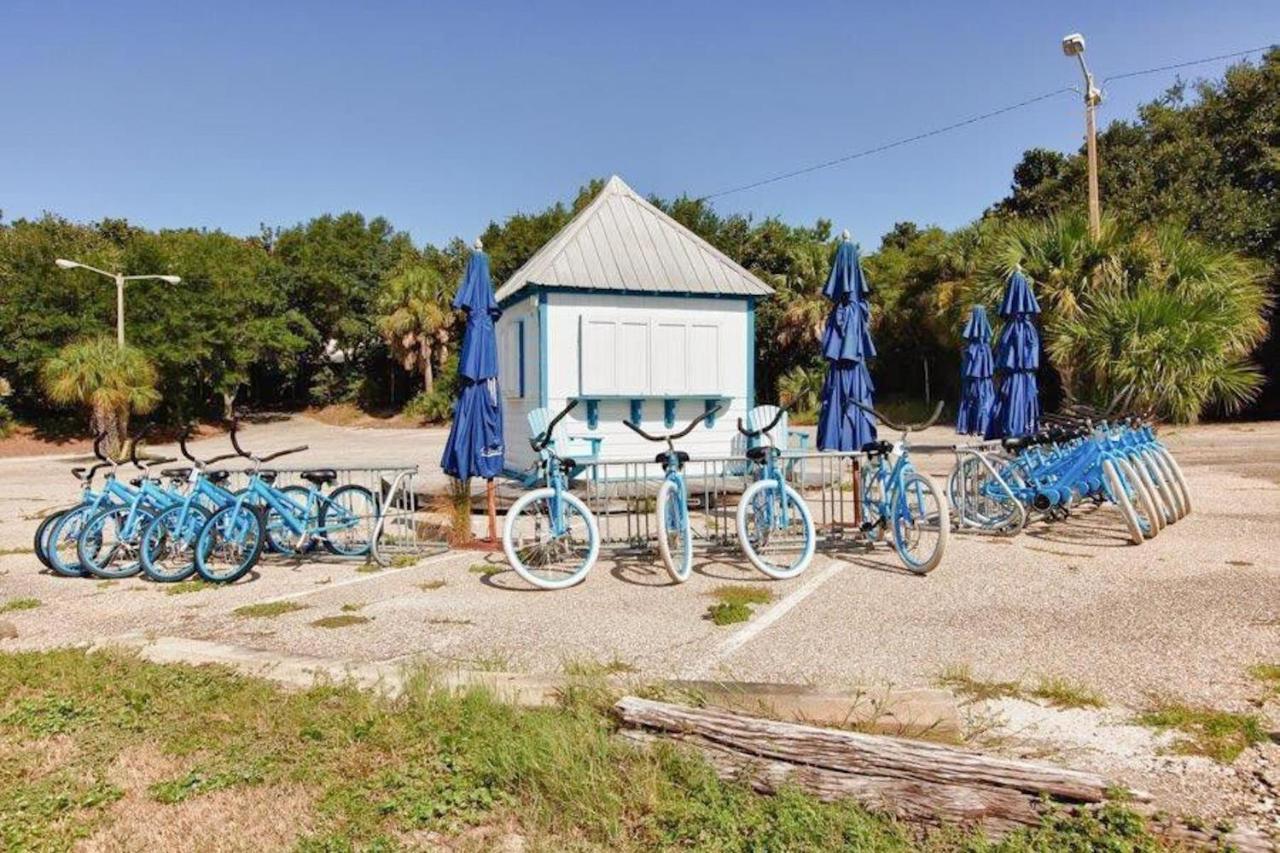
[(1073, 45), (119, 279)]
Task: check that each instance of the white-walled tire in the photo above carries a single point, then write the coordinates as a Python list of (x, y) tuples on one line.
[(1178, 478), (778, 553), (1143, 506), (1120, 498), (536, 554), (675, 539)]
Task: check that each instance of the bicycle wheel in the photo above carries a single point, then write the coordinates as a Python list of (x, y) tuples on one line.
[(280, 537), (1153, 476), (1178, 478), (347, 517), (675, 540), (168, 549), (1117, 492), (108, 545), (1167, 481), (548, 549), (40, 543), (229, 544), (1143, 506), (921, 523), (63, 545), (1143, 483), (775, 529)]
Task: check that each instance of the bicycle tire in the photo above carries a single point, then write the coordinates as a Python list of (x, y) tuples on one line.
[(1157, 460), (745, 540), (930, 562), (329, 503), (67, 528), (1143, 506), (1158, 516), (198, 516), (91, 554), (1115, 489), (1145, 463), (510, 547), (1178, 478), (41, 539), (230, 517), (678, 565)]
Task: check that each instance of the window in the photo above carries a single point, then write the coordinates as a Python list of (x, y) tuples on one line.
[(512, 357), (624, 353)]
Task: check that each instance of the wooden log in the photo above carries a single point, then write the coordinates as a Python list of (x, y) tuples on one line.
[(862, 754)]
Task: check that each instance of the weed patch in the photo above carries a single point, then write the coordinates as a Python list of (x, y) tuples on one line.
[(267, 609), (728, 613), (16, 604), (427, 586), (368, 568), (741, 594), (1062, 693), (342, 621), (961, 679), (352, 608), (484, 569), (1268, 674), (1220, 735), (187, 586)]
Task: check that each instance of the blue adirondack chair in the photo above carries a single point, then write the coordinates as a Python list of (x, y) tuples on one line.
[(583, 449), (782, 436)]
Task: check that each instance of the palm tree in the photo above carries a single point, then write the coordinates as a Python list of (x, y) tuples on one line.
[(416, 319), (800, 390), (111, 380)]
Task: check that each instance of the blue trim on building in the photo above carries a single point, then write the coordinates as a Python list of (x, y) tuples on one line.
[(751, 354), (543, 352), (669, 412), (543, 289), (520, 356)]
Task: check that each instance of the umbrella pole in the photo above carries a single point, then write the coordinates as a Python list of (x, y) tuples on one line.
[(492, 500)]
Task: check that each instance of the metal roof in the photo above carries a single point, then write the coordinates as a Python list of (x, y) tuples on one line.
[(622, 242)]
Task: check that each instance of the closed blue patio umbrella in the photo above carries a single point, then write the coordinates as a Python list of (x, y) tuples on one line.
[(977, 367), (1017, 409), (846, 344), (475, 446)]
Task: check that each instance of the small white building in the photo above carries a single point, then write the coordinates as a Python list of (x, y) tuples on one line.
[(636, 317)]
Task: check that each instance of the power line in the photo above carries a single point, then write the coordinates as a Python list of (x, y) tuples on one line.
[(1177, 65), (886, 146), (867, 152)]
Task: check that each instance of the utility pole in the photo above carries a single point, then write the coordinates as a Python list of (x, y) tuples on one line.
[(1073, 45)]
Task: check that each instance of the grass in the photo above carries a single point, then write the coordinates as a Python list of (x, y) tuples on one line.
[(1052, 690), (741, 594), (106, 746), (728, 613), (484, 569), (15, 604), (343, 621), (185, 587), (267, 609), (404, 561), (1268, 674), (1220, 735), (427, 586), (1063, 693), (368, 568), (352, 608)]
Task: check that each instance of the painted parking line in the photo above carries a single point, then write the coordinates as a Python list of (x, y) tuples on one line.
[(753, 628), (372, 576)]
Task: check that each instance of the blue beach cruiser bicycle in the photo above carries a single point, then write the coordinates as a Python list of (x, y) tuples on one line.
[(775, 527), (675, 534), (550, 536)]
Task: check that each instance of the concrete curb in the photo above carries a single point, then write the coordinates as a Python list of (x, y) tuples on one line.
[(920, 711)]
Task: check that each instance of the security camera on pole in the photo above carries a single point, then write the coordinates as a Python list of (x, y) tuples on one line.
[(1073, 45)]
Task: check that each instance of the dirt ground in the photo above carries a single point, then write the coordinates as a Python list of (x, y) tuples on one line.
[(1181, 618)]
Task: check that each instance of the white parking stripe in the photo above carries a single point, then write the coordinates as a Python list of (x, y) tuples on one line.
[(753, 628)]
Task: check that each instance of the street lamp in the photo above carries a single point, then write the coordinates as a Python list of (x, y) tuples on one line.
[(1073, 45), (119, 279)]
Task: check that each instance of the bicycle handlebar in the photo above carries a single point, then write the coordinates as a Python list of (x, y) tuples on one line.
[(235, 425), (674, 435), (753, 433), (182, 445), (97, 446), (279, 453), (925, 424), (541, 441)]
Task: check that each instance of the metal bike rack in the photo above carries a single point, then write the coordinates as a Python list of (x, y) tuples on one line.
[(622, 496), (395, 530), (960, 497)]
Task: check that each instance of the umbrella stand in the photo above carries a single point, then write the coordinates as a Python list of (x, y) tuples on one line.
[(491, 499)]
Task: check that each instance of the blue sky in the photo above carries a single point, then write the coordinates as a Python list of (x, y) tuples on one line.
[(443, 117)]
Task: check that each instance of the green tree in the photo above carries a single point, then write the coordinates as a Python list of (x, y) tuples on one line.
[(110, 380), (416, 320)]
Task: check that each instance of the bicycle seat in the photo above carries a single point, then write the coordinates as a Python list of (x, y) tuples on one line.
[(136, 482), (176, 473), (268, 477), (874, 447), (320, 476), (680, 455), (1016, 444), (217, 477), (567, 465), (759, 453)]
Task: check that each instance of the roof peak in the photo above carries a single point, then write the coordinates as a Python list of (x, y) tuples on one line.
[(621, 241)]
